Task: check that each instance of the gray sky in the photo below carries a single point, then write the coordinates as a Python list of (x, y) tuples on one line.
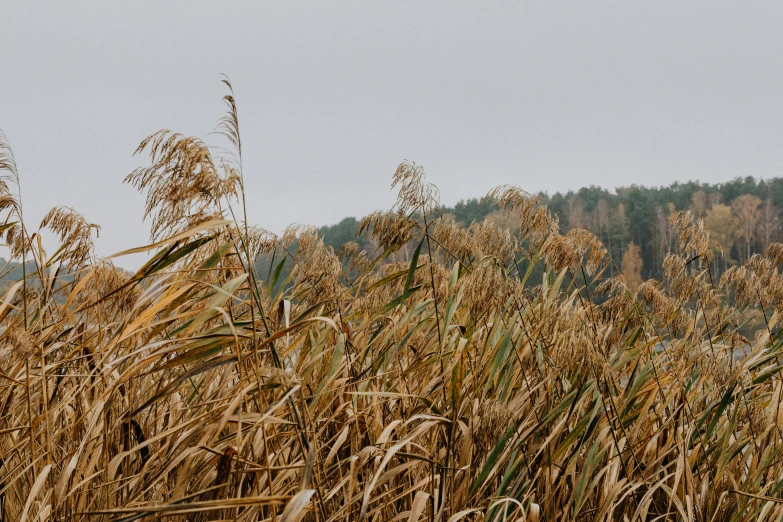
[(333, 95)]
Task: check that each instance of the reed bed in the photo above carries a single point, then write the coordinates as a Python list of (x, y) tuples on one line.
[(494, 374)]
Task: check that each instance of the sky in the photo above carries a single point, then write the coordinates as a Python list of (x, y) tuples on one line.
[(332, 96)]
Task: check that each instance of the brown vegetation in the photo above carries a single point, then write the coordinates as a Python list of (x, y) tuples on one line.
[(447, 387)]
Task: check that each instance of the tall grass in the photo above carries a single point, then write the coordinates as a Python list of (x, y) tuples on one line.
[(446, 387)]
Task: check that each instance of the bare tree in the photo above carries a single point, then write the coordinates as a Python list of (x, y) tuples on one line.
[(699, 204), (720, 223), (601, 219), (769, 226), (575, 213), (664, 230), (746, 218), (715, 198)]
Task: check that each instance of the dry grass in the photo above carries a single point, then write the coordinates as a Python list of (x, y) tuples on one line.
[(447, 387)]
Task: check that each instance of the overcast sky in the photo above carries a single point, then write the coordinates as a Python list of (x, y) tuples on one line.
[(333, 95)]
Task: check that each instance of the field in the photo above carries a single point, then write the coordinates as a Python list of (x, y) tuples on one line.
[(483, 372)]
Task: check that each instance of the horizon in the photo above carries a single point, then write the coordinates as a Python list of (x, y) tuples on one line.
[(332, 97), (322, 227)]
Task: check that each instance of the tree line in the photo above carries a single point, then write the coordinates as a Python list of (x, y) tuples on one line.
[(743, 216)]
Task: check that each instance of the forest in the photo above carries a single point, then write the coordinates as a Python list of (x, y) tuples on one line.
[(634, 223)]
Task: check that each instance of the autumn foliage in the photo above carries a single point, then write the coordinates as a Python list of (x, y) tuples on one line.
[(504, 369)]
